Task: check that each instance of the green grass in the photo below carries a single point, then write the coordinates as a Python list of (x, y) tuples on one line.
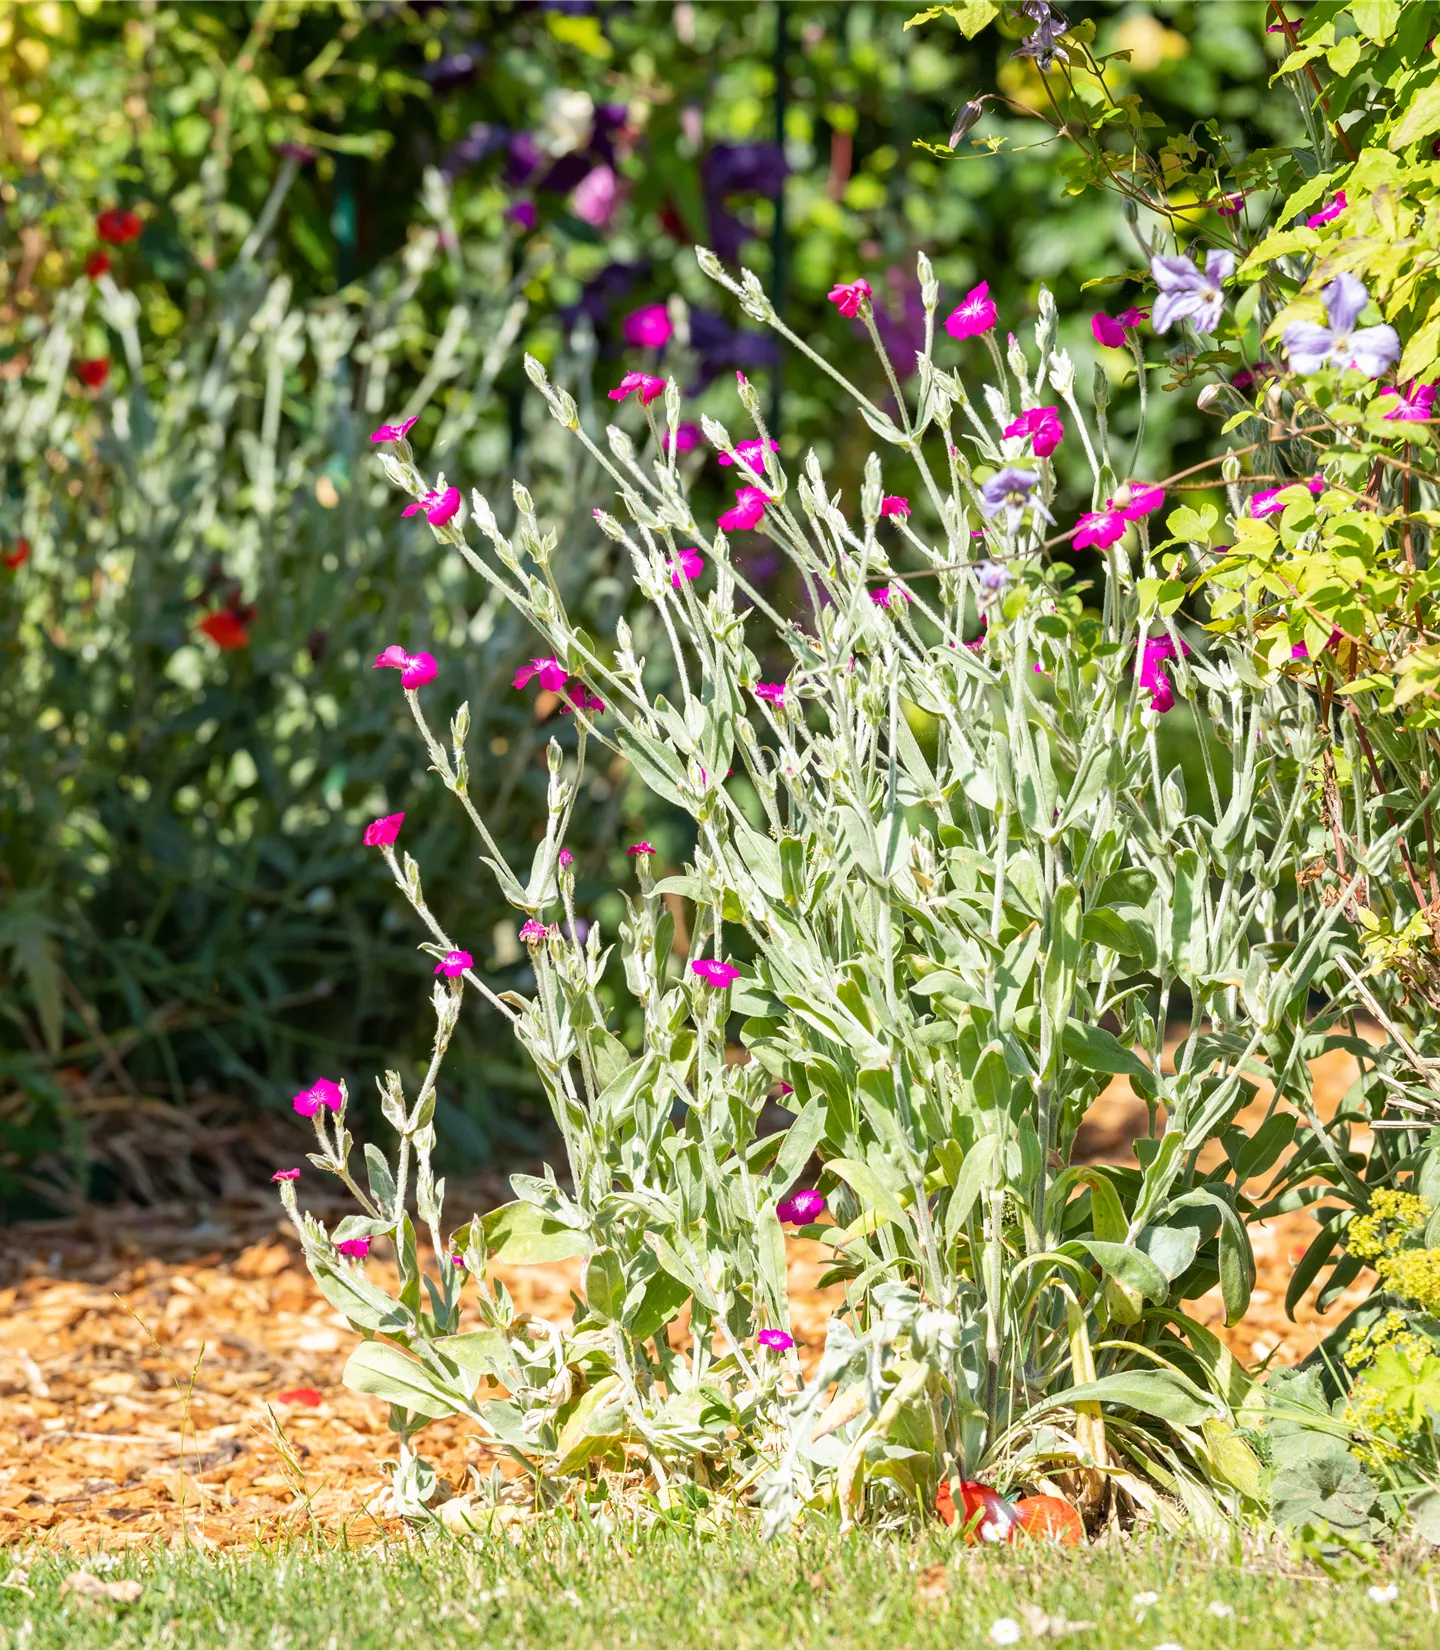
[(670, 1590)]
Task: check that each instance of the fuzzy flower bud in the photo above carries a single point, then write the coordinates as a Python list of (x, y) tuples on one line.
[(1062, 371)]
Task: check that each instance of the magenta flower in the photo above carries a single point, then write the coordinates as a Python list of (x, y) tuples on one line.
[(550, 673), (595, 196), (847, 296), (887, 595), (1153, 678), (687, 438), (523, 213), (1144, 501), (1042, 425), (285, 1174), (786, 1088), (894, 505), (381, 833), (745, 513), (640, 849), (773, 693), (534, 933), (1099, 529), (648, 328), (975, 314), (800, 1208), (1265, 504), (322, 1092), (643, 384), (1413, 407), (580, 698), (1230, 206), (776, 1339), (394, 432), (354, 1248), (457, 1260), (415, 668), (1330, 213), (716, 974), (438, 507), (750, 454), (1111, 331), (566, 857), (454, 964), (689, 564)]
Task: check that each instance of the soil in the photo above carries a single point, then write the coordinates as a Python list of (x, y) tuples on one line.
[(171, 1374)]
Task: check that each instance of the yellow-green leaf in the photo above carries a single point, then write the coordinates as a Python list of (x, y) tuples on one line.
[(1278, 244), (1419, 120)]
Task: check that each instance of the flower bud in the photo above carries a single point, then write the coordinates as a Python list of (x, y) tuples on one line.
[(716, 433), (1101, 390), (1230, 469), (536, 373), (523, 501), (1062, 371), (871, 491), (620, 444), (1207, 396), (966, 119), (929, 286)]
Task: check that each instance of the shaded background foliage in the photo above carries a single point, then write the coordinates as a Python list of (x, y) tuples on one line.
[(184, 904)]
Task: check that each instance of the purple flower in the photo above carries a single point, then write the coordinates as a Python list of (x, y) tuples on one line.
[(580, 697), (643, 384), (716, 974), (301, 153), (549, 672), (640, 850), (689, 564), (1372, 350), (1008, 491), (894, 505), (1188, 292), (524, 214), (687, 438), (1330, 213), (1412, 407), (751, 454), (800, 1208), (776, 1339), (975, 313), (745, 513), (415, 668), (381, 833), (454, 963), (394, 432), (354, 1248), (773, 693), (1230, 207), (438, 507), (1153, 654), (285, 1174), (533, 932), (648, 328), (991, 575), (322, 1092), (1041, 44), (848, 295), (745, 169), (887, 595), (1042, 425)]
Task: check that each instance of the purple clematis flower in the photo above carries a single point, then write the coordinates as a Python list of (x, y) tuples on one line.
[(1008, 491), (1372, 350), (990, 575), (1187, 292)]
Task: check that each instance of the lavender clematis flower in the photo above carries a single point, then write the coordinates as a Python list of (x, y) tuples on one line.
[(1041, 43), (1187, 292), (1009, 491), (1372, 350)]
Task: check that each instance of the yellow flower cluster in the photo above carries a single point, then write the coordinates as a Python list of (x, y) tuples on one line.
[(1381, 1232), (1415, 1274), (1361, 1344)]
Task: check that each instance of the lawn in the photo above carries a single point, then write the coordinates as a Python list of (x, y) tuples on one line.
[(574, 1588)]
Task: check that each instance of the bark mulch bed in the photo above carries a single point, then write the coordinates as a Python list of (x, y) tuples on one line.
[(171, 1374)]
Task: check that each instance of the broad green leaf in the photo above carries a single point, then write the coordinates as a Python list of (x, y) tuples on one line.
[(992, 1079), (1096, 1049), (867, 1186), (1419, 120), (1163, 1393), (360, 1301), (520, 1235), (770, 1252), (1279, 243), (1377, 20), (596, 1422), (658, 1305), (970, 16), (1172, 1248), (605, 1284), (386, 1372), (480, 1352), (970, 1182), (1129, 1266)]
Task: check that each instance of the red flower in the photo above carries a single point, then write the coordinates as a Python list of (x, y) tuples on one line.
[(226, 629), (118, 224), (94, 373), (97, 264), (306, 1395), (18, 556)]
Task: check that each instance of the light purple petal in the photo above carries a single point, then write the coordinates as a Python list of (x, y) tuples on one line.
[(1219, 266), (1374, 350), (1174, 274), (1174, 306), (1307, 346), (1345, 298)]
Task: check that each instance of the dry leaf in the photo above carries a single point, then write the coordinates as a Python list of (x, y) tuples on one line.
[(91, 1588), (932, 1587)]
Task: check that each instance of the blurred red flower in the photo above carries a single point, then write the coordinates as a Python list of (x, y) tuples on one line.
[(118, 224), (227, 629), (18, 556), (94, 373)]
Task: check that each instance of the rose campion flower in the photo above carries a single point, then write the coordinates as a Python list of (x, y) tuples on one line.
[(888, 595), (775, 1339), (1413, 407), (395, 432), (773, 693), (566, 857), (17, 555), (381, 833), (322, 1092), (97, 264), (1309, 346), (715, 974), (1042, 425), (438, 507), (640, 849), (581, 698), (534, 933), (800, 1208), (454, 963), (457, 1260), (689, 564), (1153, 678), (642, 384), (118, 224), (94, 372), (415, 668), (744, 515), (687, 438), (595, 196), (1110, 330), (1230, 207), (847, 296), (1329, 214), (284, 1174), (549, 672), (354, 1248), (894, 505), (226, 629), (1102, 528), (648, 328), (976, 313), (1187, 292), (1008, 492), (749, 453)]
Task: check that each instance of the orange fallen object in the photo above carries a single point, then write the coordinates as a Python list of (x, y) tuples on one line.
[(306, 1395), (1048, 1518)]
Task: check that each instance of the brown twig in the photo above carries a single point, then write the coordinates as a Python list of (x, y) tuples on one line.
[(1277, 6)]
